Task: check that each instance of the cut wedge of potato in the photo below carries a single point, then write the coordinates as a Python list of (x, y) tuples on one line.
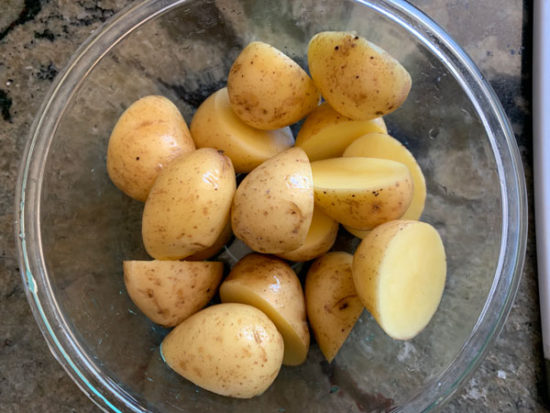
[(399, 271), (270, 285), (168, 292), (362, 192), (380, 145), (326, 134), (332, 303)]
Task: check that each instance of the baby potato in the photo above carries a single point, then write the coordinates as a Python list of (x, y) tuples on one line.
[(168, 292), (326, 134), (148, 135), (273, 205), (189, 205), (332, 303), (320, 238), (215, 125), (270, 285), (230, 349), (357, 78), (359, 233), (268, 90), (383, 146), (362, 192), (399, 272), (209, 252)]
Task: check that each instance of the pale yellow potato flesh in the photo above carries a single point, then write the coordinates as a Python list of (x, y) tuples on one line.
[(272, 286), (230, 349), (189, 205), (268, 90), (380, 145), (332, 303), (320, 238), (168, 292), (273, 205), (147, 137), (326, 133), (357, 78), (362, 192), (399, 271), (215, 125)]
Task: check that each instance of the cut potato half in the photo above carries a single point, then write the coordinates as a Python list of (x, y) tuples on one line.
[(326, 134), (380, 145), (270, 285), (399, 271), (362, 192)]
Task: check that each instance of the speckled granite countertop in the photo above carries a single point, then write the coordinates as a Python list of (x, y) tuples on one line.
[(36, 40)]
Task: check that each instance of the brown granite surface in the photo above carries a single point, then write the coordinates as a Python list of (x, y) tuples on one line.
[(36, 40)]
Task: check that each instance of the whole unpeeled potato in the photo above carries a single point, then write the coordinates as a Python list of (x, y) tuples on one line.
[(357, 78), (230, 349), (147, 137), (273, 205), (189, 205), (268, 90)]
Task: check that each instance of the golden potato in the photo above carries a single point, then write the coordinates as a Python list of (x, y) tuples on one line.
[(168, 292), (270, 285), (189, 205), (357, 78), (326, 134), (215, 125), (399, 272), (383, 146), (268, 90), (320, 238), (229, 349), (359, 233), (273, 205), (148, 135), (332, 304), (362, 192), (209, 252)]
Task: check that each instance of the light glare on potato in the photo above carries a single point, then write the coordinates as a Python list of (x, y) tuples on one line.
[(268, 90), (147, 137)]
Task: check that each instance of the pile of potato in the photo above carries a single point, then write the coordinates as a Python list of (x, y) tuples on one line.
[(343, 169)]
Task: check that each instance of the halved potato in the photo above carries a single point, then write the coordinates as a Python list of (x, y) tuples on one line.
[(215, 125), (380, 145), (209, 252), (359, 233), (168, 292), (320, 238), (362, 192), (272, 286), (399, 271), (326, 133), (332, 303)]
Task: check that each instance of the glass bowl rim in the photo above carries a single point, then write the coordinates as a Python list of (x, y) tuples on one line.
[(65, 347)]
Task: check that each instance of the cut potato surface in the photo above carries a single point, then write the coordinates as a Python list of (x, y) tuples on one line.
[(332, 303), (362, 192), (399, 271), (379, 145), (320, 238), (326, 133), (215, 125), (272, 286), (268, 90), (229, 349), (168, 292)]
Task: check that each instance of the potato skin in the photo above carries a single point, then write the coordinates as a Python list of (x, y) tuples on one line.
[(147, 137), (215, 125), (268, 90), (189, 205), (357, 78), (229, 349), (168, 292), (332, 303), (273, 205), (269, 284)]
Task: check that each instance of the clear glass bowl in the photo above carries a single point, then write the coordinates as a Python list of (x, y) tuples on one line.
[(75, 228)]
